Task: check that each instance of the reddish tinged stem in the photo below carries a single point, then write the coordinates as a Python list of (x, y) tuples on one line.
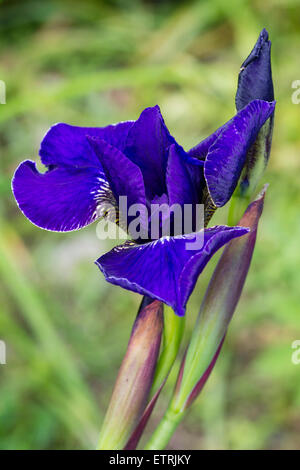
[(137, 433), (134, 380)]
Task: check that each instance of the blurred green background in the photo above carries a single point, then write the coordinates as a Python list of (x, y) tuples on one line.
[(97, 62)]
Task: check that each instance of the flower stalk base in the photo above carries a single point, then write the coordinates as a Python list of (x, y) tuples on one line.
[(165, 430)]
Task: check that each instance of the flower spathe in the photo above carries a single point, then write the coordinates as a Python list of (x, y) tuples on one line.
[(141, 160), (135, 377)]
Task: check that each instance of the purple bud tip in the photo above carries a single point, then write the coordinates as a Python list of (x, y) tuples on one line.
[(255, 77)]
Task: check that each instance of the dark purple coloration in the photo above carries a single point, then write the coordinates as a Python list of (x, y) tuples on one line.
[(140, 160), (227, 155), (255, 78), (64, 198), (164, 269)]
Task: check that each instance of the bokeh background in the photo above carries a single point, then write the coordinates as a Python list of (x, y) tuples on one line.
[(97, 62)]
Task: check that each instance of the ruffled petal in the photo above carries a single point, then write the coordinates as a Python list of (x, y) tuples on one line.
[(147, 146), (226, 157), (255, 78), (166, 269), (61, 199), (67, 145)]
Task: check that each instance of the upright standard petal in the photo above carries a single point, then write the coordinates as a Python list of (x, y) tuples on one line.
[(61, 199), (181, 189), (195, 169), (185, 183), (227, 156), (147, 146), (124, 177), (165, 269), (255, 77), (64, 144)]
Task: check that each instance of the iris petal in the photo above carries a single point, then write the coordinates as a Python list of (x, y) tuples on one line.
[(179, 183), (67, 145), (147, 146), (124, 177), (62, 199), (227, 155), (200, 150), (165, 269)]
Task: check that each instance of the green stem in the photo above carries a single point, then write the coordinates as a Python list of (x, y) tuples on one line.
[(165, 430), (172, 336), (237, 207)]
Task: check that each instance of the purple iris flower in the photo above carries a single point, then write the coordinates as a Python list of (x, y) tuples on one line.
[(140, 160)]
